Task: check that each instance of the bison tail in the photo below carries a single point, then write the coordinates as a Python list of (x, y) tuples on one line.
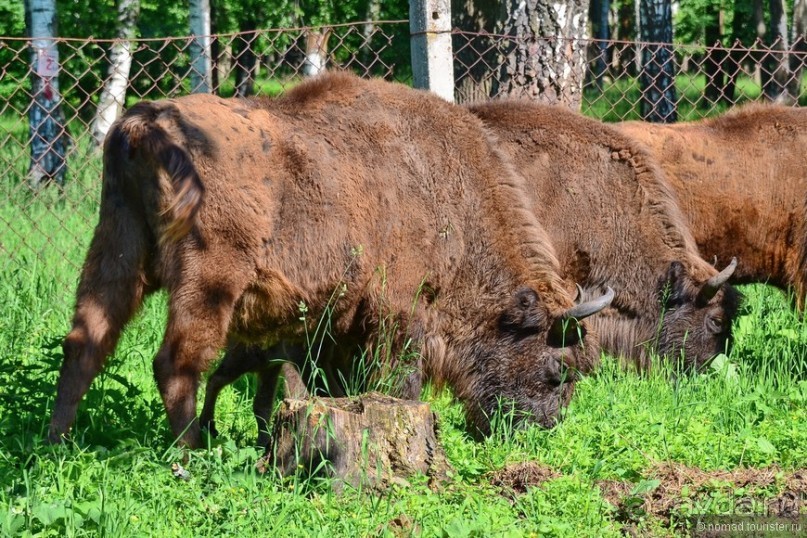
[(141, 151), (180, 213)]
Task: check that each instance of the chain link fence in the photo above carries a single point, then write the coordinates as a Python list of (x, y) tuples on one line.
[(46, 219)]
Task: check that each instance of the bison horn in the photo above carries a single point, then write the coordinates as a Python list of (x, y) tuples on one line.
[(564, 329), (584, 310), (712, 286)]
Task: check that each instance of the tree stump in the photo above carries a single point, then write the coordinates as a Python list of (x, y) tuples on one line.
[(372, 440)]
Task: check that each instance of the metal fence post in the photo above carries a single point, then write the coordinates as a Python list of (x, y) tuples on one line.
[(432, 55)]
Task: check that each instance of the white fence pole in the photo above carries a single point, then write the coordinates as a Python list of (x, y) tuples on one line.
[(432, 55), (200, 49)]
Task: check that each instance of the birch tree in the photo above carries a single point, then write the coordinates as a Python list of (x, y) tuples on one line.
[(316, 51), (776, 70), (546, 57), (543, 57), (113, 96)]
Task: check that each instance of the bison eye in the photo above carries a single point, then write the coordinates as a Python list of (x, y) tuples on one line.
[(714, 324)]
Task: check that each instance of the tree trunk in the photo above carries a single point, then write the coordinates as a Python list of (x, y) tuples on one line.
[(743, 18), (373, 440), (372, 13), (657, 77), (246, 62), (598, 13), (215, 48), (200, 49), (546, 58), (475, 52), (48, 134), (799, 45), (113, 96), (623, 57), (715, 54), (777, 67), (316, 51)]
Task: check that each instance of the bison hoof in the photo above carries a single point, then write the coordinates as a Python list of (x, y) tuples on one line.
[(210, 427)]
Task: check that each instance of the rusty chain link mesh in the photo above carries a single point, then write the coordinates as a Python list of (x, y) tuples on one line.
[(50, 225)]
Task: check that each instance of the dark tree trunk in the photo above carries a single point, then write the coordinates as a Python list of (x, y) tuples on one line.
[(48, 134), (715, 54), (743, 18), (624, 56), (598, 13), (215, 47), (657, 77), (475, 52), (799, 45), (246, 62)]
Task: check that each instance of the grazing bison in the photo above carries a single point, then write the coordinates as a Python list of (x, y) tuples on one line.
[(364, 200), (741, 181), (613, 222)]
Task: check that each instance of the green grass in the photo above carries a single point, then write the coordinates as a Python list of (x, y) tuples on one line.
[(620, 99), (748, 411), (115, 477)]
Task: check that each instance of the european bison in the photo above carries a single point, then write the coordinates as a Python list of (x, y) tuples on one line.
[(614, 222), (741, 180), (363, 199)]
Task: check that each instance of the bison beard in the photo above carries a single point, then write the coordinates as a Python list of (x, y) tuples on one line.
[(742, 184), (614, 222), (245, 209)]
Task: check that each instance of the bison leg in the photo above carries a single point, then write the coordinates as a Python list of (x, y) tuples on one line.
[(111, 289), (237, 361), (197, 329), (264, 400)]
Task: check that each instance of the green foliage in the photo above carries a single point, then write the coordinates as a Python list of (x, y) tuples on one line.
[(12, 18)]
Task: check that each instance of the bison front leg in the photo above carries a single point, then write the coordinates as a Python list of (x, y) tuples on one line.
[(110, 291)]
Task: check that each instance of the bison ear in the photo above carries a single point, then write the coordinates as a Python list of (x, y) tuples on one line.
[(523, 312), (673, 287)]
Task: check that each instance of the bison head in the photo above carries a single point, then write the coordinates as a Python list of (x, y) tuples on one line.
[(526, 360), (697, 317)]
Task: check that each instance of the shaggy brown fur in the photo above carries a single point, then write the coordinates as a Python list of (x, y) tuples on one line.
[(613, 222), (243, 210), (741, 180)]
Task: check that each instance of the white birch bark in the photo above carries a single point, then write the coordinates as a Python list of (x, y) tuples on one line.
[(113, 96), (546, 59)]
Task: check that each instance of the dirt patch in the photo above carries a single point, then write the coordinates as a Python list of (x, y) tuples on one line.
[(399, 527), (744, 491), (517, 477), (670, 491)]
